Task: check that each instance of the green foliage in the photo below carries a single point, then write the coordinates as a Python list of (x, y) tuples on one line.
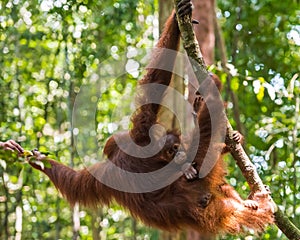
[(49, 49), (262, 40)]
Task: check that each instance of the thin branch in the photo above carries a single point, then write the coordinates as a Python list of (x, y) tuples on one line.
[(248, 169)]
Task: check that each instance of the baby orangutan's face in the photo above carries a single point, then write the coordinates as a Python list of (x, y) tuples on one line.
[(172, 148)]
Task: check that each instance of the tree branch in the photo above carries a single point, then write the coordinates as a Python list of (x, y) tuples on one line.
[(248, 169)]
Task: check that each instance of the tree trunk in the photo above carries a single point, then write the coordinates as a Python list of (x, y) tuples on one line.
[(205, 32)]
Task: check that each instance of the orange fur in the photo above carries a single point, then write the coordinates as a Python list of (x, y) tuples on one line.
[(175, 206)]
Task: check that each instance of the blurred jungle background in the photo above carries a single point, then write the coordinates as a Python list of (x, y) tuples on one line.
[(49, 48)]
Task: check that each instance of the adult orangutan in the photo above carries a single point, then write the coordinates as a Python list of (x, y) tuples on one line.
[(206, 204)]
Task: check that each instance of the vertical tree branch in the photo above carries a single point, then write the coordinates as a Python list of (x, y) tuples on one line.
[(191, 45), (248, 169)]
